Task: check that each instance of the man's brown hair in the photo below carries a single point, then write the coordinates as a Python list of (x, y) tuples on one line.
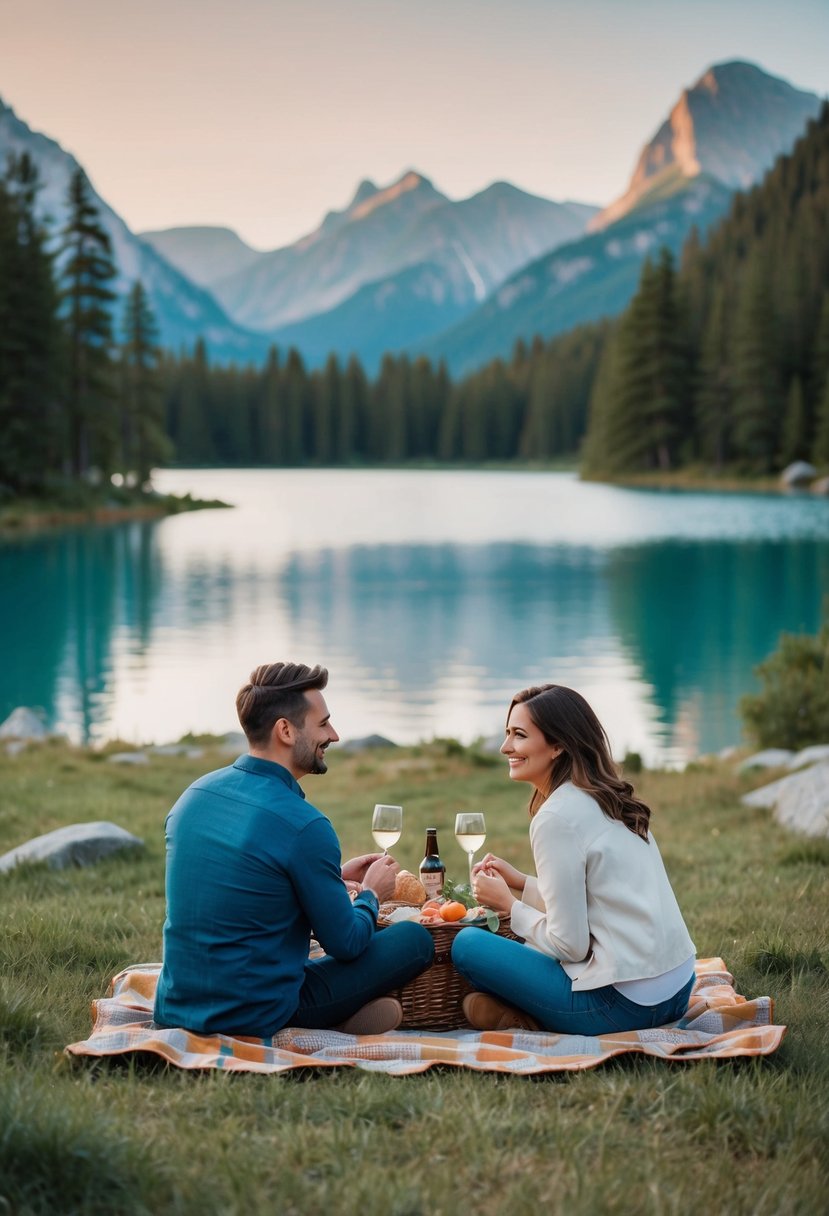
[(274, 691)]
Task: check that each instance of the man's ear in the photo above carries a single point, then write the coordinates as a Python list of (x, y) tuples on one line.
[(283, 732)]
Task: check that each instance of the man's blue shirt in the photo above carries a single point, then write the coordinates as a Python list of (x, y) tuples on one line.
[(252, 870)]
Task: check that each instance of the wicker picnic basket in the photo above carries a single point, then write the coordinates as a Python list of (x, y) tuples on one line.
[(433, 999)]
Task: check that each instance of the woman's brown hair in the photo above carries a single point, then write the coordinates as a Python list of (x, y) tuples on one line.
[(567, 721)]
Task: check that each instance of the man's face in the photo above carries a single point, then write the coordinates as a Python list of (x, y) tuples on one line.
[(313, 737)]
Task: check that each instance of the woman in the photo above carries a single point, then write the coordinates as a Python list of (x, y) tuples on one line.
[(606, 946)]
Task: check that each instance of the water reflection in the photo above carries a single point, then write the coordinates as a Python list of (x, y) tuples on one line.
[(129, 631)]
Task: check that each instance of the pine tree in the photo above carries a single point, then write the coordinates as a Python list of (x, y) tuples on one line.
[(87, 297), (143, 440), (31, 420), (820, 449), (795, 441), (757, 403), (714, 387)]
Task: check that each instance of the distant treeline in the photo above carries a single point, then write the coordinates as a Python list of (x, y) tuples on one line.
[(723, 361)]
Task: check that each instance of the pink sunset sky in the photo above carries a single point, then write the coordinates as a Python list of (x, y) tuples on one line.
[(263, 114)]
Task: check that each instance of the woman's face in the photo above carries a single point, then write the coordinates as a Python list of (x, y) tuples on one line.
[(529, 754)]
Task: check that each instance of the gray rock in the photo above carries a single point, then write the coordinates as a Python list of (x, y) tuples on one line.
[(23, 723), (233, 743), (367, 742), (766, 796), (799, 473), (726, 753), (15, 746), (178, 749), (821, 486), (772, 757), (129, 758), (809, 755), (804, 806), (80, 844)]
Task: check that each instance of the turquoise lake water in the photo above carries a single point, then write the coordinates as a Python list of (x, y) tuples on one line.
[(431, 597)]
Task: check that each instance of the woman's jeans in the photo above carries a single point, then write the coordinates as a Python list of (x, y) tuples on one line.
[(333, 990), (539, 985)]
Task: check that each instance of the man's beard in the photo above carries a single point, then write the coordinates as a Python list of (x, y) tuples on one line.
[(307, 757)]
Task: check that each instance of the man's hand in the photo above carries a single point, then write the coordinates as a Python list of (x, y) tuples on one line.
[(380, 876), (355, 869)]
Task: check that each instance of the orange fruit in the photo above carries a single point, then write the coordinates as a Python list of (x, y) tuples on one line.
[(452, 911)]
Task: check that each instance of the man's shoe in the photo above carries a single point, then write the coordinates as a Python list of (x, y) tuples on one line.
[(486, 1012), (376, 1017)]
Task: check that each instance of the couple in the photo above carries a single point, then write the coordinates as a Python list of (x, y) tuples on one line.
[(253, 869)]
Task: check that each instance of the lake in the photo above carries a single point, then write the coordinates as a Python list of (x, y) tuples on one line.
[(431, 596)]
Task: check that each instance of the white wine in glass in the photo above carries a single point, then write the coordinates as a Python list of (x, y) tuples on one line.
[(470, 833), (386, 825)]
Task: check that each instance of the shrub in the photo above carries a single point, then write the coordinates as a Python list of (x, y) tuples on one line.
[(793, 708)]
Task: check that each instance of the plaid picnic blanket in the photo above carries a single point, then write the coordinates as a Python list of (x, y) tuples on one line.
[(719, 1023)]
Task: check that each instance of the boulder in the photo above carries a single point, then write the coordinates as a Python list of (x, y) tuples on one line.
[(178, 749), (804, 807), (23, 723), (767, 795), (799, 473), (367, 742), (809, 755), (80, 844), (772, 757), (821, 487), (129, 758)]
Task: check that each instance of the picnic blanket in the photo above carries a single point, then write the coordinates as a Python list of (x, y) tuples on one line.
[(719, 1024)]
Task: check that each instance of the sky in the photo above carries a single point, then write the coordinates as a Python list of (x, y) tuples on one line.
[(262, 115)]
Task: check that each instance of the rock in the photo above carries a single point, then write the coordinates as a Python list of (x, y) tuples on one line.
[(821, 486), (15, 746), (772, 757), (766, 796), (233, 743), (80, 844), (799, 473), (367, 742), (803, 802), (178, 749), (23, 723), (809, 755), (727, 753), (129, 758)]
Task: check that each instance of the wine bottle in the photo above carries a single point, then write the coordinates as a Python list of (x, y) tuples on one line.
[(432, 869)]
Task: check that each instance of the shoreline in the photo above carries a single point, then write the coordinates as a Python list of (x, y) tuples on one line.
[(27, 516)]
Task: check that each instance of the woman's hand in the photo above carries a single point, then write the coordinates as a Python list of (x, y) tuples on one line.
[(491, 890), (511, 876)]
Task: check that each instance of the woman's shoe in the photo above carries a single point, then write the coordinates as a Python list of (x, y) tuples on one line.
[(486, 1012), (376, 1017)]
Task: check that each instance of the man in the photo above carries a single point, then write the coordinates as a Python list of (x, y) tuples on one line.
[(253, 869)]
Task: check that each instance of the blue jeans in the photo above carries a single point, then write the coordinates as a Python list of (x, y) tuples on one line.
[(333, 990), (539, 985)]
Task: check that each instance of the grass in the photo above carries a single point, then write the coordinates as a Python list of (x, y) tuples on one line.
[(634, 1136)]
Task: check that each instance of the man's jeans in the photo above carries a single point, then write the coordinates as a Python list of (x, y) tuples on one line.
[(333, 990), (539, 985)]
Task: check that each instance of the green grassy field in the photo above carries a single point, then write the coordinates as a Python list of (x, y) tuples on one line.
[(633, 1136)]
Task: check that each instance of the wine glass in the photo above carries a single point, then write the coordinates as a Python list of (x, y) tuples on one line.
[(470, 833), (386, 825)]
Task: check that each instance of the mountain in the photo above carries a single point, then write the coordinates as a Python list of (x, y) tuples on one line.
[(451, 258), (732, 125), (349, 249), (674, 188), (184, 311), (203, 254)]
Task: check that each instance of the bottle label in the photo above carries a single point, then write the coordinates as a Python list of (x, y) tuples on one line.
[(432, 882)]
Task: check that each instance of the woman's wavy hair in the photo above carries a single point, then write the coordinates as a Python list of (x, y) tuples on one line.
[(276, 690), (567, 721)]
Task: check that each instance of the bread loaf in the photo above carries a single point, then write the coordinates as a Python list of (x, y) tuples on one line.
[(408, 889)]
